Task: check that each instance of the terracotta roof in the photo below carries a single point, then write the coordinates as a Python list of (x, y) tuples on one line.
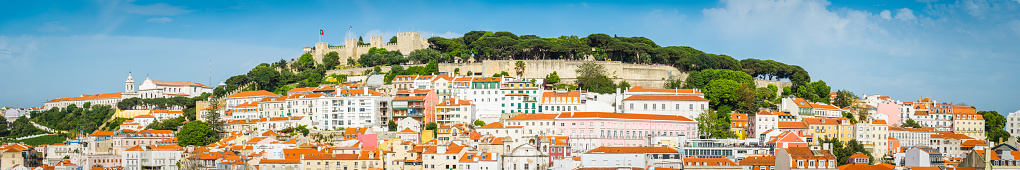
[(882, 166), (639, 89), (144, 116), (255, 140), (859, 156), (666, 97), (608, 115), (102, 133), (260, 93), (135, 148), (178, 84), (492, 125), (451, 102), (824, 106), (485, 79), (534, 117), (974, 143), (765, 112), (409, 98), (878, 122), (635, 149), (710, 161), (792, 125), (352, 92), (821, 121), (407, 130), (807, 153), (332, 157), (738, 117), (759, 160), (567, 94)]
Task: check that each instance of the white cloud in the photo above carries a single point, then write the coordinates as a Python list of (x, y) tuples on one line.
[(905, 14), (52, 27), (664, 18), (886, 14), (160, 9), (850, 49), (159, 20), (16, 54)]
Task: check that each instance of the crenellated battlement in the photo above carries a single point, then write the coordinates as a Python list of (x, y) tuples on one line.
[(406, 42)]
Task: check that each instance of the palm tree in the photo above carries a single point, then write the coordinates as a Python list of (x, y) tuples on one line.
[(520, 69)]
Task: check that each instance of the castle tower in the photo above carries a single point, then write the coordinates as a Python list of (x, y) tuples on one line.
[(319, 51), (129, 85), (376, 41)]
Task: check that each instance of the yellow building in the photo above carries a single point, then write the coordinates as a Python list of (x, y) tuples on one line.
[(822, 128), (739, 125), (845, 129), (967, 122)]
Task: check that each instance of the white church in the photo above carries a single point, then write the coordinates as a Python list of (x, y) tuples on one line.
[(165, 89)]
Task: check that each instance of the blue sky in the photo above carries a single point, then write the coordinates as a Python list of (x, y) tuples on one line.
[(953, 51)]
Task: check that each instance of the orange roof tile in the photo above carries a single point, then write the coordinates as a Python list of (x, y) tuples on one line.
[(260, 93), (640, 89), (492, 125), (792, 125), (759, 160), (534, 117), (666, 97), (451, 102), (485, 79), (632, 149), (567, 94), (409, 98), (609, 115)]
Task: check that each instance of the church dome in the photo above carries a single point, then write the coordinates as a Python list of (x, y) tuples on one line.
[(526, 150)]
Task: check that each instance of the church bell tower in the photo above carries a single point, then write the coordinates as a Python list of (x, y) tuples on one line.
[(129, 85)]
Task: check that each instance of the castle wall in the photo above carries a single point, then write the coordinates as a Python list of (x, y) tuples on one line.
[(648, 76), (406, 42)]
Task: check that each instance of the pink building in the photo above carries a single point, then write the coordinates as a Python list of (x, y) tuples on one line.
[(786, 139), (416, 103), (590, 130), (558, 147), (892, 112)]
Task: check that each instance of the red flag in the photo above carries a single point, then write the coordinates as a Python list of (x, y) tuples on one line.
[(321, 32)]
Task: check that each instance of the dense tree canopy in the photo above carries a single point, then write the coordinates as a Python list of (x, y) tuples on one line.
[(19, 128), (843, 152), (381, 57), (196, 133), (331, 59), (73, 118), (700, 79), (592, 77), (994, 123)]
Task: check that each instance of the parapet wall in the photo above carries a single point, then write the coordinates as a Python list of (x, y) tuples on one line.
[(648, 76)]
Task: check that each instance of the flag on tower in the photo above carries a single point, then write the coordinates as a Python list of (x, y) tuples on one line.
[(350, 27), (321, 32)]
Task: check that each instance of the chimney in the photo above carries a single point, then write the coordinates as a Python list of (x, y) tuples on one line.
[(456, 101)]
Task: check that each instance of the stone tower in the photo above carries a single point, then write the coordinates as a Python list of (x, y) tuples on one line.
[(377, 42), (129, 85)]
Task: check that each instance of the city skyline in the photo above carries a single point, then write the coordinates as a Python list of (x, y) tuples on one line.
[(957, 51)]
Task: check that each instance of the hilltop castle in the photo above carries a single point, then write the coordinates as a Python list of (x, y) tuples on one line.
[(406, 42)]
